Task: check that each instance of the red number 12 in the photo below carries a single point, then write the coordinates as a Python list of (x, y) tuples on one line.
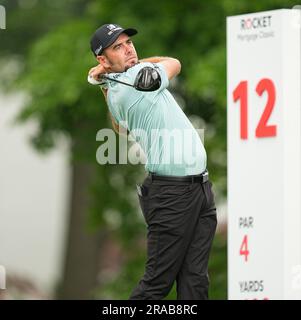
[(241, 93)]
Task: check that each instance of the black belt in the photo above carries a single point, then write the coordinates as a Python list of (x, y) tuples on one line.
[(200, 178)]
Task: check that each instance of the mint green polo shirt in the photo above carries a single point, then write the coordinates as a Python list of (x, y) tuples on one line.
[(154, 119)]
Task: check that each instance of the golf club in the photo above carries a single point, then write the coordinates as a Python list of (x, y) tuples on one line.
[(147, 79)]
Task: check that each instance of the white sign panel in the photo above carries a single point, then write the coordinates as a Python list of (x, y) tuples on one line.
[(264, 155), (2, 278)]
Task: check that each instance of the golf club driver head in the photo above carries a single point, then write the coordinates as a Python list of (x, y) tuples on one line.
[(147, 79)]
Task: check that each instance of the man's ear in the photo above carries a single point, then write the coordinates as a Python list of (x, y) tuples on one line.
[(103, 61)]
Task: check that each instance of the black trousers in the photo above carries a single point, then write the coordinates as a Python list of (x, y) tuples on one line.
[(181, 223)]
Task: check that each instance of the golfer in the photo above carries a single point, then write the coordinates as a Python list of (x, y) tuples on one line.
[(176, 196)]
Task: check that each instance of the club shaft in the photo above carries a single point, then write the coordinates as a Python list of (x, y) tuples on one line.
[(110, 79)]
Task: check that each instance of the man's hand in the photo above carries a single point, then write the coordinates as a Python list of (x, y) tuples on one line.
[(95, 72)]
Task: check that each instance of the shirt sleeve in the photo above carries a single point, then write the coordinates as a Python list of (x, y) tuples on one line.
[(164, 78), (113, 108)]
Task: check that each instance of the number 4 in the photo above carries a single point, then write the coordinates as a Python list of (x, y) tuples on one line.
[(241, 93), (243, 251)]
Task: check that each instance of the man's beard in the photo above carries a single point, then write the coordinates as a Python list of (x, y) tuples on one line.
[(126, 68)]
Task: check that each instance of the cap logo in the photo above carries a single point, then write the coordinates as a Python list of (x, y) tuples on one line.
[(111, 26), (98, 50)]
